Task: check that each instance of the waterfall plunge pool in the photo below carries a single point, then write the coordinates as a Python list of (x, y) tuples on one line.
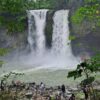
[(50, 66)]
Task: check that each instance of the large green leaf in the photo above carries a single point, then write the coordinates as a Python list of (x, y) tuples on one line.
[(88, 81)]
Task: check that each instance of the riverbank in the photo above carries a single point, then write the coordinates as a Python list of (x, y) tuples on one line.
[(19, 90)]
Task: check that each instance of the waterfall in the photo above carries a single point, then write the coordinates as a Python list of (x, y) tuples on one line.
[(36, 37), (60, 55), (61, 48), (61, 43)]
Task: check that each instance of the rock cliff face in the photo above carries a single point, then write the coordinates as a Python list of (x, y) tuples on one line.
[(49, 28), (86, 40), (13, 41)]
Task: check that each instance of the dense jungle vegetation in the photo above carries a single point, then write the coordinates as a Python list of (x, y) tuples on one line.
[(13, 13), (89, 11)]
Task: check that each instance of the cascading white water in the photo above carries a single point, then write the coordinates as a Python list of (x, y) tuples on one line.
[(61, 47), (36, 37), (58, 57), (61, 43)]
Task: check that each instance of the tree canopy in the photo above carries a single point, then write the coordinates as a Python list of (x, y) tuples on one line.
[(87, 68), (13, 12), (3, 51), (89, 11)]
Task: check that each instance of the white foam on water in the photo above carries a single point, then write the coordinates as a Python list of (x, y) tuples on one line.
[(60, 55)]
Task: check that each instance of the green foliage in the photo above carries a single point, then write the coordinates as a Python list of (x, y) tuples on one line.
[(7, 76), (13, 12), (3, 51), (75, 74), (87, 81), (16, 6), (9, 94), (90, 1), (90, 11), (43, 4), (71, 37), (95, 61), (86, 68)]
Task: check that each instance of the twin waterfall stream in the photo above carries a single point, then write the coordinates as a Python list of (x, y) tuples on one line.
[(59, 56), (36, 33)]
